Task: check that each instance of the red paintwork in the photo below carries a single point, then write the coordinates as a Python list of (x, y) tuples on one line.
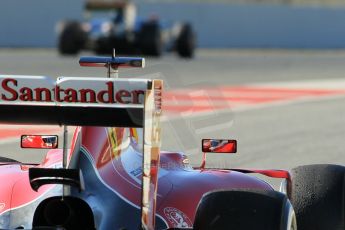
[(33, 142), (180, 187), (227, 148), (16, 191)]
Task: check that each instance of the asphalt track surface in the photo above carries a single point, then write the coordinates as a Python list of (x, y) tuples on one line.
[(285, 108)]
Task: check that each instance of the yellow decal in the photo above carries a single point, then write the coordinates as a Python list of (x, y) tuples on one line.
[(115, 135)]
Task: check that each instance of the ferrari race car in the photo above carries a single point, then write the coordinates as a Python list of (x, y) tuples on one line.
[(115, 176), (125, 31)]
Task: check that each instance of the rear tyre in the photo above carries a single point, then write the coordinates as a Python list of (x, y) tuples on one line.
[(103, 46), (72, 38), (66, 212), (245, 210), (318, 196), (151, 42), (185, 43)]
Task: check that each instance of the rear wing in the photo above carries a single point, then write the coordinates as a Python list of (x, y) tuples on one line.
[(73, 101), (92, 102), (105, 5)]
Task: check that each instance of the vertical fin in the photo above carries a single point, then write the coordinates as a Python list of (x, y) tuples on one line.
[(152, 144)]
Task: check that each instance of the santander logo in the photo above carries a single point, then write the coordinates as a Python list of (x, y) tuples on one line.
[(11, 90)]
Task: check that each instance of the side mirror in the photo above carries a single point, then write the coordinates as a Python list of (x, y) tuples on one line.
[(39, 141), (219, 146)]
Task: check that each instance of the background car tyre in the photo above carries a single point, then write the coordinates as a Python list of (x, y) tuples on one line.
[(102, 46), (72, 38), (317, 195), (185, 43), (245, 210), (151, 39)]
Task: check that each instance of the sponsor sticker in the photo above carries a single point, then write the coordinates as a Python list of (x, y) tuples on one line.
[(69, 90), (136, 172), (177, 218)]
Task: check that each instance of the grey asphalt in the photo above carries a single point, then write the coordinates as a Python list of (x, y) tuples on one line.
[(281, 136)]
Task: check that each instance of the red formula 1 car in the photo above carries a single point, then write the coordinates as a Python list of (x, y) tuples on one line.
[(114, 175)]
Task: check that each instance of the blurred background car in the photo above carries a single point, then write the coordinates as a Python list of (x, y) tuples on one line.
[(115, 24)]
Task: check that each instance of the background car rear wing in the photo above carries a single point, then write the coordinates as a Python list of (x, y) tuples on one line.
[(92, 102), (104, 5)]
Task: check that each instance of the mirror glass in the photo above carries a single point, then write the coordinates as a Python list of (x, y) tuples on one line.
[(39, 141), (219, 146)]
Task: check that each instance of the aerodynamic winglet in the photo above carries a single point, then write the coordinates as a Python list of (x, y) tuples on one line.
[(135, 62)]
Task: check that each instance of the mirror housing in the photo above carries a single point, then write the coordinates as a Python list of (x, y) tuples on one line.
[(39, 141), (219, 146)]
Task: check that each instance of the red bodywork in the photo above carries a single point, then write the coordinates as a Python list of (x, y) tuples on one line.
[(180, 187), (17, 192)]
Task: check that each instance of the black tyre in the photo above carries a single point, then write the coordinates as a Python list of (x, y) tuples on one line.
[(185, 43), (245, 210), (103, 46), (72, 38), (150, 39), (317, 195), (66, 212)]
